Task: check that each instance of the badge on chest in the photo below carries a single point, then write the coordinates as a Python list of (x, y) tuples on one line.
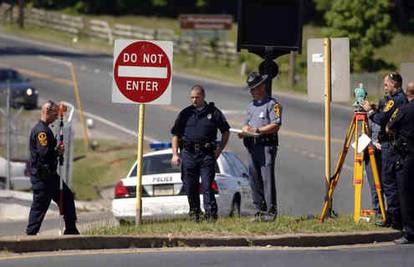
[(262, 115)]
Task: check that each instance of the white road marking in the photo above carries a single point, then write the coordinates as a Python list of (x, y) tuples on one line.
[(120, 128), (55, 60)]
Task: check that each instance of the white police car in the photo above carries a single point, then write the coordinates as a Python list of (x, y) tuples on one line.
[(163, 195)]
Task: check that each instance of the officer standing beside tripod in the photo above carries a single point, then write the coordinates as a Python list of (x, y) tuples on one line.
[(44, 153), (401, 126), (395, 98)]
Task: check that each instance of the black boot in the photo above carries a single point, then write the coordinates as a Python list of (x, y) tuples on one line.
[(211, 218), (71, 231), (70, 228), (194, 216), (396, 221)]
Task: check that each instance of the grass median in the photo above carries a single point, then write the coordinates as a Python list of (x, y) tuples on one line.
[(100, 168), (238, 226)]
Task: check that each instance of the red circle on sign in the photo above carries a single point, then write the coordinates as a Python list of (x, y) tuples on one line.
[(142, 72)]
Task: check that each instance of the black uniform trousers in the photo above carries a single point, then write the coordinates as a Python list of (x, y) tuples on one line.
[(262, 176), (196, 164), (405, 179), (389, 182), (44, 191)]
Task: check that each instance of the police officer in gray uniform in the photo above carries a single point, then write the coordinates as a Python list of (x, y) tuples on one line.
[(261, 140)]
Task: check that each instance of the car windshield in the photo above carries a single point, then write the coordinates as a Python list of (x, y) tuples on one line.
[(156, 164), (10, 75)]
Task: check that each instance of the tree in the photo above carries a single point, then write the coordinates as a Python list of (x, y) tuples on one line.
[(366, 23)]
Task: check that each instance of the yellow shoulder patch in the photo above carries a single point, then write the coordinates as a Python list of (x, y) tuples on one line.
[(388, 105), (394, 114), (42, 137), (277, 108)]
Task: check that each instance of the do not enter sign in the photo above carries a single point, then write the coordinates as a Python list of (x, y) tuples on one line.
[(142, 72)]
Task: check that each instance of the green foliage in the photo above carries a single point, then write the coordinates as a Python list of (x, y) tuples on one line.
[(323, 5), (367, 24)]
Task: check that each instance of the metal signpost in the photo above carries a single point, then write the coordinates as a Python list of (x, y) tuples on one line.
[(142, 75)]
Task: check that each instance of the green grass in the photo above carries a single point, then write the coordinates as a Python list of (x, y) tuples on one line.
[(398, 51), (100, 168), (238, 226)]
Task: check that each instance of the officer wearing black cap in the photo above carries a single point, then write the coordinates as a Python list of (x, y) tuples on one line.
[(44, 152), (195, 132), (264, 118), (394, 98), (401, 126)]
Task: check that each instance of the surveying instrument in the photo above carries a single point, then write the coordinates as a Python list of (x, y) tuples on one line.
[(358, 130), (61, 113)]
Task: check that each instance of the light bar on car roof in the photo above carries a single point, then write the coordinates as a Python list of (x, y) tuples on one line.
[(159, 146)]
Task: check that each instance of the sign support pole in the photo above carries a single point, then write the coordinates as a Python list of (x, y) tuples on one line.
[(327, 96), (141, 116)]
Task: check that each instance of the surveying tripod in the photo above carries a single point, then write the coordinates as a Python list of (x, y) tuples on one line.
[(359, 124)]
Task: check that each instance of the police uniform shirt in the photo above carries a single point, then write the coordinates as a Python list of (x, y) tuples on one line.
[(382, 115), (42, 146), (193, 125), (402, 120), (263, 112)]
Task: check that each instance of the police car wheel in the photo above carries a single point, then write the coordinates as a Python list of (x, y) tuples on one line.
[(235, 206)]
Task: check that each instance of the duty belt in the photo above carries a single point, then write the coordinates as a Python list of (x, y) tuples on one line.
[(197, 146), (265, 139)]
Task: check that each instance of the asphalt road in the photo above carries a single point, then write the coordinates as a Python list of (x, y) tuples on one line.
[(377, 256), (300, 164)]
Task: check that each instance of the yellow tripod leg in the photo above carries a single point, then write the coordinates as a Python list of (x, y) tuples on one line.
[(358, 172), (335, 178)]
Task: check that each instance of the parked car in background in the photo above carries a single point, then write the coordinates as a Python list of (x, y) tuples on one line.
[(163, 194), (22, 92), (19, 176)]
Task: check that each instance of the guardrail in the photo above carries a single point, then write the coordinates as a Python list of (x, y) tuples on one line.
[(101, 29)]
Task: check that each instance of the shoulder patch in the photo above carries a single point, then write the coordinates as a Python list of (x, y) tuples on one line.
[(394, 114), (277, 109), (42, 137), (388, 105)]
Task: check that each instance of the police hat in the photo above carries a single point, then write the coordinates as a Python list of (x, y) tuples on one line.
[(255, 79)]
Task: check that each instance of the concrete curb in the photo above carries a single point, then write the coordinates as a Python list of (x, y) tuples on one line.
[(35, 244)]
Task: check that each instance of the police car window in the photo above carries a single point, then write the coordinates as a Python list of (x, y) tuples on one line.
[(238, 164), (156, 164), (228, 166)]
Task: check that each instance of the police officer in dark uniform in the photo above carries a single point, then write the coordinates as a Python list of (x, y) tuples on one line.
[(44, 153), (264, 118), (401, 125), (395, 98), (195, 132)]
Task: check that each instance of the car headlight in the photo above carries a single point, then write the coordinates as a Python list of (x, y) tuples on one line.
[(29, 91)]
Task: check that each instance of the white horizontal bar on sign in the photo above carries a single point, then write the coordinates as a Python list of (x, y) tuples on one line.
[(142, 72)]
